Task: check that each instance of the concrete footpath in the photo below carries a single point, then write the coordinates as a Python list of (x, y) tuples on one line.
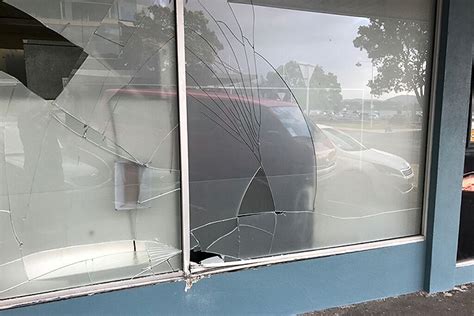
[(458, 302)]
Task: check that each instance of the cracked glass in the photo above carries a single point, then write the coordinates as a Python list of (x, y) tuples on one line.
[(89, 162), (307, 123)]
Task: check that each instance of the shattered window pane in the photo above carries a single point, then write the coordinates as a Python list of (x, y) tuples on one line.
[(307, 123), (89, 154)]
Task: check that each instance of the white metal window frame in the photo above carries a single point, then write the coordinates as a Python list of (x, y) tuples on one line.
[(465, 263), (190, 273)]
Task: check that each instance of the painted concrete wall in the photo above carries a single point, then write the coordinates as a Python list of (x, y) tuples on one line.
[(280, 289), (464, 275), (452, 95)]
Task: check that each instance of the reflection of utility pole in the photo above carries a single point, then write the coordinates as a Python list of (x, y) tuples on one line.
[(359, 64), (307, 71), (284, 80)]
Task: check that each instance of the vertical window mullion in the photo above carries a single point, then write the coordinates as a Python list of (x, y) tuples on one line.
[(183, 133)]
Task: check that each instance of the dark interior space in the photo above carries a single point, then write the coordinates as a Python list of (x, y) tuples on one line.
[(466, 227), (35, 55)]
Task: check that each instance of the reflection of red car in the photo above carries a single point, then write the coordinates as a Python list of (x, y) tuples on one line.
[(253, 171)]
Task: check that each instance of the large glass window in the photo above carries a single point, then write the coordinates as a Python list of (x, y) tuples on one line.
[(89, 164), (307, 123)]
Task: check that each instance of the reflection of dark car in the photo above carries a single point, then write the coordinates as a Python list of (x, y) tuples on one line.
[(253, 167), (252, 175)]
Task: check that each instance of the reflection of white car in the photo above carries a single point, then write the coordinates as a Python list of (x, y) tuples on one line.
[(365, 173)]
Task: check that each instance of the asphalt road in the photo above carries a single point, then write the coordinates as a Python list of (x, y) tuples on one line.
[(406, 144), (459, 302)]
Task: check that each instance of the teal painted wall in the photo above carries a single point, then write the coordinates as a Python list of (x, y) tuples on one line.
[(452, 97), (279, 289), (465, 274)]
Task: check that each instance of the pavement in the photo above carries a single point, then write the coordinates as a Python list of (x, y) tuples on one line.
[(458, 302), (379, 130)]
